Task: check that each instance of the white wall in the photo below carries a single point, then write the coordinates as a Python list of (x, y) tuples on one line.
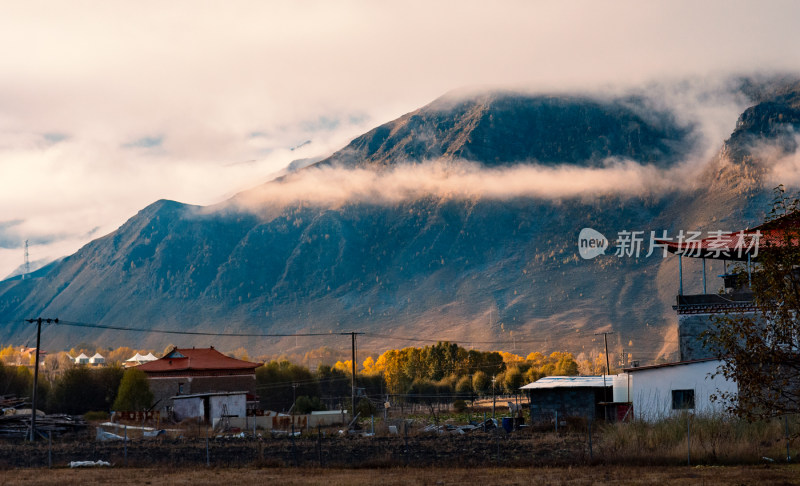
[(651, 389), (237, 405), (187, 407)]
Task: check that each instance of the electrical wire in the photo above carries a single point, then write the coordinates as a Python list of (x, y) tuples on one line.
[(191, 333)]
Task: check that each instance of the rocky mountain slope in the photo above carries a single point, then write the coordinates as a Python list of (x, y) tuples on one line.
[(495, 273)]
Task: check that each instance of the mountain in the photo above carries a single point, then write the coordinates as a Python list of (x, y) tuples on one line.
[(503, 128), (473, 269)]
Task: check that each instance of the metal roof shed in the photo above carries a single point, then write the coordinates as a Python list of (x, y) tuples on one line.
[(568, 396)]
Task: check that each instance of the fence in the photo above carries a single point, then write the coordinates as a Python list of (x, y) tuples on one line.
[(699, 440)]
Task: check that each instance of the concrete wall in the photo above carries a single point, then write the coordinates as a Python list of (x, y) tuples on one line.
[(188, 408), (652, 389), (236, 405), (690, 328), (165, 388)]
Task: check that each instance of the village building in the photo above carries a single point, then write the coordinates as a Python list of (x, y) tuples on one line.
[(97, 360), (689, 384), (662, 390), (568, 396), (81, 359), (192, 371), (209, 406)]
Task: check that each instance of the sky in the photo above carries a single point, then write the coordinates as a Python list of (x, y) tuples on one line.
[(106, 107)]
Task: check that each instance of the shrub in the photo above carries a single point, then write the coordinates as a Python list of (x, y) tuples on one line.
[(95, 415)]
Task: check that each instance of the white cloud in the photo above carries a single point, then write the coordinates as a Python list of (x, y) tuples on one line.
[(334, 186)]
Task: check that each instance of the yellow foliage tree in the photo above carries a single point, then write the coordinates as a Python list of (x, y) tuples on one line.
[(346, 366), (511, 358)]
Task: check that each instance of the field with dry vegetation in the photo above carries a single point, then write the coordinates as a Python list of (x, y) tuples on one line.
[(575, 476)]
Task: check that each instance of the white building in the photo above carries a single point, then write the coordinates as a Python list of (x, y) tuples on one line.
[(97, 359), (82, 359), (658, 391), (210, 406)]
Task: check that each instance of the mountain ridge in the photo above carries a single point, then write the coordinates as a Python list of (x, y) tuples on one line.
[(465, 269)]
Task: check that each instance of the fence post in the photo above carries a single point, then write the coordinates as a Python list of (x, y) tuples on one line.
[(591, 458), (688, 439), (786, 423), (497, 443), (208, 456), (50, 447), (294, 448), (319, 446), (405, 439), (125, 448), (556, 421)]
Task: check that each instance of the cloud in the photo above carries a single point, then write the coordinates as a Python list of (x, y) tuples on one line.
[(334, 186)]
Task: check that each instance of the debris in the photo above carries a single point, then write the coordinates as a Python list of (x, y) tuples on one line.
[(19, 424), (104, 436), (89, 463), (393, 429)]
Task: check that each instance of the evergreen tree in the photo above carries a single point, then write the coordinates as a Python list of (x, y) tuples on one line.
[(134, 392)]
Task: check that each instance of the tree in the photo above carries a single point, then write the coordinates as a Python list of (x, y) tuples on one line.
[(480, 382), (81, 389), (464, 386), (305, 404), (761, 351), (513, 380), (134, 392)]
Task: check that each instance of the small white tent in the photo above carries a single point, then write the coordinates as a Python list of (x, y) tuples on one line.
[(82, 359), (97, 359)]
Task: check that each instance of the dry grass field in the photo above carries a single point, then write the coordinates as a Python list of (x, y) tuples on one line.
[(598, 475)]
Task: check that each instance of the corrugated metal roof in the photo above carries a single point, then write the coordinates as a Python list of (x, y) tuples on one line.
[(665, 365), (569, 382)]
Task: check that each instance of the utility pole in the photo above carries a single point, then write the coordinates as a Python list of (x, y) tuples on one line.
[(353, 384), (494, 401), (38, 322), (608, 370)]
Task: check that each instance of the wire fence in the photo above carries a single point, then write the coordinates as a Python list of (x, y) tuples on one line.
[(680, 440)]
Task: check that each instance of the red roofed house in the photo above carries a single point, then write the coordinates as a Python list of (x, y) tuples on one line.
[(197, 370)]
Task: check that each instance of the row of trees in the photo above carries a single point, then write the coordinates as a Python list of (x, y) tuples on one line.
[(439, 373), (80, 389)]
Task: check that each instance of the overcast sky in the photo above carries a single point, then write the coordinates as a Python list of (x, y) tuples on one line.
[(108, 106)]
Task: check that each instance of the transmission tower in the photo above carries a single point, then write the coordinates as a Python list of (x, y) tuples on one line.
[(27, 268)]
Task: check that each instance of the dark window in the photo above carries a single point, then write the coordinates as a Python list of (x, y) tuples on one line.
[(180, 388), (682, 399)]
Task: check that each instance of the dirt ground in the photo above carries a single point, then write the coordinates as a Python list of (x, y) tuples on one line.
[(585, 475)]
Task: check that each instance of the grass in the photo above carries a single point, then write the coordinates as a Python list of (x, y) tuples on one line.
[(714, 439), (575, 476)]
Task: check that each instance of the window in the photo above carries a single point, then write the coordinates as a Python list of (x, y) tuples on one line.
[(682, 399), (180, 388)]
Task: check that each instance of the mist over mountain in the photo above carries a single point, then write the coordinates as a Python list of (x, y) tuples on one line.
[(377, 237)]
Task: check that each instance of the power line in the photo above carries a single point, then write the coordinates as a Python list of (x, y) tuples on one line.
[(193, 333)]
